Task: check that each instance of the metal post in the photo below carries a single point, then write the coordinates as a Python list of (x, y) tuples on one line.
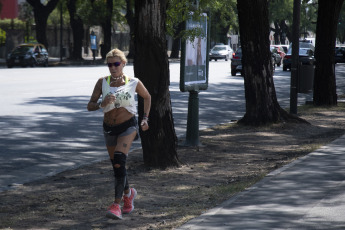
[(295, 56), (192, 136)]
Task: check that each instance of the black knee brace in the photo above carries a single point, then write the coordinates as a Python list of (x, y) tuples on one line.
[(119, 159)]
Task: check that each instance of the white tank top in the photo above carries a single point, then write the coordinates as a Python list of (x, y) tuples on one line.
[(125, 95)]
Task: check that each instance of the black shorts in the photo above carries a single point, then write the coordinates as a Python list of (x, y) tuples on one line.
[(111, 133)]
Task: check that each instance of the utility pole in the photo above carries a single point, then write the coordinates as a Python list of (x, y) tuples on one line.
[(295, 56)]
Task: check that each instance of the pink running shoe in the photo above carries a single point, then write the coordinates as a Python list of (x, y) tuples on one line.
[(128, 205), (114, 212)]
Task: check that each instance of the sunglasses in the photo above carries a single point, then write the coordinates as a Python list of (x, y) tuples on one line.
[(116, 64)]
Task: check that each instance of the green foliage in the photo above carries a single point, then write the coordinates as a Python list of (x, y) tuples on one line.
[(119, 12), (95, 12), (92, 13), (26, 13), (224, 19), (7, 24), (2, 37), (308, 17), (280, 10), (223, 15), (192, 34), (225, 11), (54, 17), (178, 11)]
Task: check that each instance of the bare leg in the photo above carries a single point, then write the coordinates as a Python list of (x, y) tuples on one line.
[(123, 145)]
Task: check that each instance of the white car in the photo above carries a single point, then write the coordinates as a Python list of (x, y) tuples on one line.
[(220, 52)]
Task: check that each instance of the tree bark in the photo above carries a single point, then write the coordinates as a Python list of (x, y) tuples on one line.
[(175, 49), (326, 30), (106, 26), (41, 13), (261, 101), (77, 26), (131, 23), (276, 31), (151, 66), (287, 30)]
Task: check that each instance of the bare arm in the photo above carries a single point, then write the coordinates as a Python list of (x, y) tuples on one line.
[(97, 91), (142, 91)]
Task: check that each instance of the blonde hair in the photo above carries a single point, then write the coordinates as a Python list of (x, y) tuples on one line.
[(116, 53)]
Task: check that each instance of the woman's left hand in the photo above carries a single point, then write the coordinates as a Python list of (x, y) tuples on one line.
[(144, 125)]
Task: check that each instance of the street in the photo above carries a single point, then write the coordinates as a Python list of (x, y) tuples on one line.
[(46, 128)]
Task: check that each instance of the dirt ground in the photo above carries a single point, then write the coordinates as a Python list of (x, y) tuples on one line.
[(231, 158)]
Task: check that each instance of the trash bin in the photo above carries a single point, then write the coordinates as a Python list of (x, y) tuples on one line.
[(306, 74)]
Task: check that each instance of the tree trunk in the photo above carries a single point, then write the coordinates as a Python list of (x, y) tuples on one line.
[(326, 30), (286, 30), (175, 49), (151, 66), (224, 34), (219, 31), (41, 14), (41, 25), (261, 101), (77, 30), (276, 31), (106, 26), (131, 23)]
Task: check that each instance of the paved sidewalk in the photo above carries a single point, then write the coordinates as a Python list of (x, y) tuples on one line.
[(309, 193)]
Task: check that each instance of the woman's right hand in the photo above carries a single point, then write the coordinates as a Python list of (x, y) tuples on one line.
[(144, 124), (110, 98)]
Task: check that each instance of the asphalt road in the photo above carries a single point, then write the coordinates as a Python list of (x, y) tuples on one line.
[(46, 129)]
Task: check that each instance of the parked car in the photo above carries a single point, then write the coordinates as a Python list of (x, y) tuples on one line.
[(28, 54), (236, 62), (220, 52), (339, 54), (276, 56), (306, 55)]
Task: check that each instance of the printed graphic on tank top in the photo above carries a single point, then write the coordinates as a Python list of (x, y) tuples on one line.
[(125, 95)]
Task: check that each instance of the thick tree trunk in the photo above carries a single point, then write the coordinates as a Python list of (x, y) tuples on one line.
[(326, 30), (276, 31), (285, 29), (151, 66), (175, 49), (131, 22), (77, 30), (261, 101), (41, 25), (41, 13), (106, 26)]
